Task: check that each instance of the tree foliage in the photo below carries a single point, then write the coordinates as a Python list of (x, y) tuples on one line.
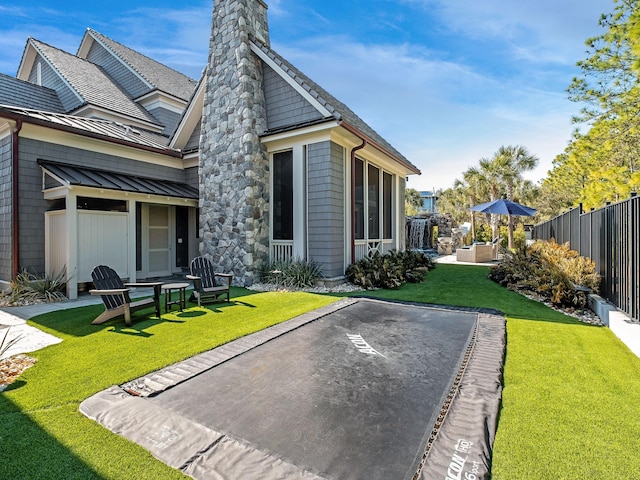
[(602, 165), (412, 201), (493, 178)]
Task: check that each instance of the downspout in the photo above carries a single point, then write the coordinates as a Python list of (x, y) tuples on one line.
[(15, 201), (353, 197)]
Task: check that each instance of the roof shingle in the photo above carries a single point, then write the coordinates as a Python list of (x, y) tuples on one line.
[(160, 76), (91, 83), (19, 93)]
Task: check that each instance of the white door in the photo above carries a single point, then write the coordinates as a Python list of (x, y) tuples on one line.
[(159, 247)]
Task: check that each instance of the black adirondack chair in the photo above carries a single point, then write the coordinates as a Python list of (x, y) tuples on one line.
[(206, 286), (115, 295)]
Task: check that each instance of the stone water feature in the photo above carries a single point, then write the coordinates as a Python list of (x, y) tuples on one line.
[(420, 233)]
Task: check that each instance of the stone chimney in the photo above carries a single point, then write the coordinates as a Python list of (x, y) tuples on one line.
[(234, 168)]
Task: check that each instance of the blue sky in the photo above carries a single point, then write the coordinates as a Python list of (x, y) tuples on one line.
[(447, 82)]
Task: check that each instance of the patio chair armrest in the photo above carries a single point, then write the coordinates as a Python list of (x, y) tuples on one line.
[(113, 291), (197, 282), (143, 284), (228, 276)]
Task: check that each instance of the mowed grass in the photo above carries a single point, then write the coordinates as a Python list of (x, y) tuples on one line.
[(571, 398), (42, 433)]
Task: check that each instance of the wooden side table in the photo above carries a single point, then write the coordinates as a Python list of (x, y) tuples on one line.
[(168, 289)]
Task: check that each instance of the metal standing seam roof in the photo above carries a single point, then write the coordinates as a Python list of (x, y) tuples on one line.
[(160, 76), (107, 128), (338, 109), (92, 84), (90, 177)]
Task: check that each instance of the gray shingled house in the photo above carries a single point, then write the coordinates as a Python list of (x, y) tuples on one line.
[(109, 157)]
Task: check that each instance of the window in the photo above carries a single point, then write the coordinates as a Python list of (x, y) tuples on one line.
[(387, 210), (373, 201), (373, 191), (359, 199), (283, 195)]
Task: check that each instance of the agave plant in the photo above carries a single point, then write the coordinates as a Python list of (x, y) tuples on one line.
[(5, 344), (30, 287)]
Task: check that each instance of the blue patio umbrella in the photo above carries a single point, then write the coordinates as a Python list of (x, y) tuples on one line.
[(504, 207)]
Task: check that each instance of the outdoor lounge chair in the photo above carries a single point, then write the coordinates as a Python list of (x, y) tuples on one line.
[(115, 295), (476, 253), (205, 281)]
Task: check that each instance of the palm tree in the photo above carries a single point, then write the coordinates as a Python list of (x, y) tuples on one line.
[(491, 177), (474, 189), (511, 162)]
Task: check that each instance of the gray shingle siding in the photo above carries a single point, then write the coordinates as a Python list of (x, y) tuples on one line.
[(194, 139), (285, 106), (191, 177), (167, 118), (5, 208), (32, 203), (130, 82), (325, 190), (51, 79)]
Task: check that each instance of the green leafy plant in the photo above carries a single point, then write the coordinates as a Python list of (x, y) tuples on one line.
[(292, 274), (7, 344), (550, 270), (33, 288), (390, 270)]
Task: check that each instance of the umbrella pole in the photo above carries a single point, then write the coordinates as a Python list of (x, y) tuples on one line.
[(510, 230)]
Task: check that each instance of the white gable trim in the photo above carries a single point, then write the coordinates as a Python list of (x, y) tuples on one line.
[(192, 115), (158, 99), (85, 46), (28, 60), (295, 85)]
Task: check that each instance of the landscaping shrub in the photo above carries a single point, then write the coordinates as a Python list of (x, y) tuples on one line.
[(390, 270), (550, 270), (27, 287), (292, 274)]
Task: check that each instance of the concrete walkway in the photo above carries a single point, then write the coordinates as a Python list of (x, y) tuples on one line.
[(31, 338)]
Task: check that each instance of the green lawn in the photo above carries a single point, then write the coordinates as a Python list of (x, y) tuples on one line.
[(570, 403)]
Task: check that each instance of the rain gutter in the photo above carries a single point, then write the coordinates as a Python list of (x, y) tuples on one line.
[(15, 200), (353, 194)]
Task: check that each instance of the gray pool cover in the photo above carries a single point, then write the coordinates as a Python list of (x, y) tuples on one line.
[(361, 389)]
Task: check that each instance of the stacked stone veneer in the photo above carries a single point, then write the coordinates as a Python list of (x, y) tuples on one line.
[(234, 168)]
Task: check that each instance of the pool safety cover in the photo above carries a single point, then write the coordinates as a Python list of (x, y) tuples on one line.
[(361, 389)]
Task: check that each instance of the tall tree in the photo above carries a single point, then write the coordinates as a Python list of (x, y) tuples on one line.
[(609, 87), (511, 162), (412, 201)]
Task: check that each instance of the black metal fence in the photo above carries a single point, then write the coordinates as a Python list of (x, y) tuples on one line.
[(609, 236)]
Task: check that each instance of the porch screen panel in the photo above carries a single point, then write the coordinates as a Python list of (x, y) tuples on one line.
[(283, 195), (359, 210), (373, 191), (387, 204)]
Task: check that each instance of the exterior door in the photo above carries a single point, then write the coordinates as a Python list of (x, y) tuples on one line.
[(159, 252), (182, 237)]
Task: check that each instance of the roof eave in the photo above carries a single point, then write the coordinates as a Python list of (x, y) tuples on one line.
[(64, 128), (401, 160)]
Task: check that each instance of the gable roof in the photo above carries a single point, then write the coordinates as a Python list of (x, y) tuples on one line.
[(19, 93), (330, 106), (157, 75), (90, 83), (92, 127)]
